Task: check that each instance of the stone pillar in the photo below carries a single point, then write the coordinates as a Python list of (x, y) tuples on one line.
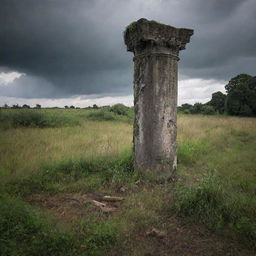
[(156, 48)]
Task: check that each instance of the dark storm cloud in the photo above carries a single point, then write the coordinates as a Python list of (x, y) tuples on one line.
[(75, 47)]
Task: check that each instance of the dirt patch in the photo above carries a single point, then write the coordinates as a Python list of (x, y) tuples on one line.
[(179, 238), (187, 239), (67, 207)]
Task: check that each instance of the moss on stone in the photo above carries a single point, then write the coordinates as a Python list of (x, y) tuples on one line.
[(131, 27)]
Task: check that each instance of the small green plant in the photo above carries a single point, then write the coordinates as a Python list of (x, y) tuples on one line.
[(102, 238)]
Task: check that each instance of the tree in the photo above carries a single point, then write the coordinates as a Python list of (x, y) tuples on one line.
[(38, 106), (72, 106), (208, 110), (16, 106), (66, 106), (237, 81), (197, 108), (25, 106), (185, 108), (241, 97), (95, 106), (251, 96), (218, 102)]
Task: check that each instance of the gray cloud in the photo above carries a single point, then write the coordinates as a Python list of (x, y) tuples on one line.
[(76, 47)]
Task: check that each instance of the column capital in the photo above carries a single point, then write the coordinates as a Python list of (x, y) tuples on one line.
[(144, 36)]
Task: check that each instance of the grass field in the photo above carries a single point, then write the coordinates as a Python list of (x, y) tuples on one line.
[(53, 166)]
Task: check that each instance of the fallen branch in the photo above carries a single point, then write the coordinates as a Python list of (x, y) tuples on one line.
[(112, 198)]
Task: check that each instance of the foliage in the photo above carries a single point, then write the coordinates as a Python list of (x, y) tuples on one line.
[(197, 108), (208, 110), (185, 108), (33, 118), (241, 98), (102, 115), (218, 102), (118, 112), (120, 109), (237, 81)]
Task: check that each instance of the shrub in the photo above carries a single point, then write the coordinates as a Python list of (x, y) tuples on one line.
[(120, 109), (102, 115)]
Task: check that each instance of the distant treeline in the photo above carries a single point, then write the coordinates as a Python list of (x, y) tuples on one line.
[(94, 106), (239, 100)]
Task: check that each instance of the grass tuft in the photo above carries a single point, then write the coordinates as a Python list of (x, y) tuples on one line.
[(23, 232), (208, 201)]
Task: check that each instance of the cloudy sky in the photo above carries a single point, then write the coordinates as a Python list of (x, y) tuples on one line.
[(63, 52)]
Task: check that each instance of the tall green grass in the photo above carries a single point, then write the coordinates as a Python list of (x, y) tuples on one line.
[(91, 158), (210, 202), (102, 115), (74, 174), (24, 232), (14, 118)]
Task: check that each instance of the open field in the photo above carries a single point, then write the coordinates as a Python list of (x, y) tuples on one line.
[(50, 175)]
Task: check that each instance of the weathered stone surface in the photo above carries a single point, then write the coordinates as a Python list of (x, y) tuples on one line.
[(156, 48)]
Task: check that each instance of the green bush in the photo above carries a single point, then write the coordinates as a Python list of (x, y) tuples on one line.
[(209, 202), (120, 109), (102, 115)]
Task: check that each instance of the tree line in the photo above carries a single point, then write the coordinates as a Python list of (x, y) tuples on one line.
[(239, 100)]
